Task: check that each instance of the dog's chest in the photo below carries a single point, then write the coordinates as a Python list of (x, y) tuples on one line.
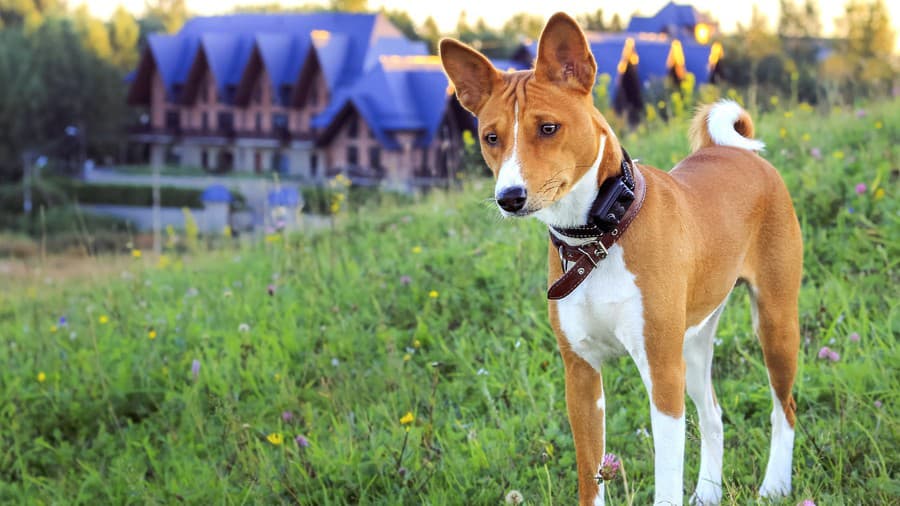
[(603, 317)]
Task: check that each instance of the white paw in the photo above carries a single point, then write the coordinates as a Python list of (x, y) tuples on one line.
[(772, 489), (707, 494)]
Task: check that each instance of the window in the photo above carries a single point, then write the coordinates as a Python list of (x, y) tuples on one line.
[(313, 164), (204, 122), (226, 121), (259, 122), (353, 128), (279, 122), (375, 157), (204, 159), (352, 156), (173, 120)]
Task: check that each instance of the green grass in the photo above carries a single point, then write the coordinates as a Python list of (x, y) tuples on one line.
[(348, 347)]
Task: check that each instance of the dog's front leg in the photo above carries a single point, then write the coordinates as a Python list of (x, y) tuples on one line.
[(586, 405), (661, 364)]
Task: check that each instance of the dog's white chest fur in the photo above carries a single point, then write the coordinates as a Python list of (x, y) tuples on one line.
[(603, 316)]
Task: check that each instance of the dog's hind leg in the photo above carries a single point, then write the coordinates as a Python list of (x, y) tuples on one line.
[(774, 291), (698, 356)]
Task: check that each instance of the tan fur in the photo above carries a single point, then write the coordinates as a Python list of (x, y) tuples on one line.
[(723, 216)]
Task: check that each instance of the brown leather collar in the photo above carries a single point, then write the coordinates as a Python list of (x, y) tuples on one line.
[(587, 256)]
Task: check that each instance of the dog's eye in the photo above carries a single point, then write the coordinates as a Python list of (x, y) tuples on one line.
[(549, 129), (491, 138)]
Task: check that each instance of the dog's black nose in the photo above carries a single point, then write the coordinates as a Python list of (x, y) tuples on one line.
[(512, 199)]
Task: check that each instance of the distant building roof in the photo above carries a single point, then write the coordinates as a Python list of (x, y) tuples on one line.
[(675, 20)]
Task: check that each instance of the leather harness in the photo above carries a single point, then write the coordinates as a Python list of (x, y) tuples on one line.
[(618, 201)]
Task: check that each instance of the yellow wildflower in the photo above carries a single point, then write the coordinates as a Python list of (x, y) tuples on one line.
[(838, 155), (103, 319), (806, 137), (878, 125), (275, 438), (417, 249), (407, 357), (226, 231), (53, 328), (408, 418), (433, 294), (417, 344), (773, 100), (805, 107), (782, 133), (151, 335), (273, 237), (136, 253), (879, 194), (41, 377), (277, 376), (661, 104), (788, 114), (163, 261)]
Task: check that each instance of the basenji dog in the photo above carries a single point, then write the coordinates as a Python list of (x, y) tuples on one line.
[(642, 261)]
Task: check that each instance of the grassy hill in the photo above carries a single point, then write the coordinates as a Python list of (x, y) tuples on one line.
[(285, 372)]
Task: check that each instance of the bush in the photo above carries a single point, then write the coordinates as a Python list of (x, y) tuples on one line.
[(318, 199)]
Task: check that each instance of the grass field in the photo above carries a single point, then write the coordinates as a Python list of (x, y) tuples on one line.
[(406, 357)]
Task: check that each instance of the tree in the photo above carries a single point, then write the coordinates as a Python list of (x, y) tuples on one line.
[(522, 23), (868, 42), (799, 22), (170, 14), (93, 33), (124, 33), (403, 22), (592, 21), (616, 24), (350, 5), (431, 33)]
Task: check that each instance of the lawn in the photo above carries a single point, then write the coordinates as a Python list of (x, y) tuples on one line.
[(406, 358)]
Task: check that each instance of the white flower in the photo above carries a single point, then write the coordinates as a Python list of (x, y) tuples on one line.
[(335, 362), (514, 497), (482, 372), (243, 327)]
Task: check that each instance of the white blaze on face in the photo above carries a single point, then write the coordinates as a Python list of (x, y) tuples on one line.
[(511, 171)]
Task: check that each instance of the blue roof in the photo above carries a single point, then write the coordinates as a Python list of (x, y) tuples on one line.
[(345, 43), (671, 18), (397, 94)]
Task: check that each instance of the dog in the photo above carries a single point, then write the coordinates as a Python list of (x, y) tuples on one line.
[(642, 261)]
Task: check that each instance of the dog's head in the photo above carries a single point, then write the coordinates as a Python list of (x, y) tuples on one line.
[(539, 130)]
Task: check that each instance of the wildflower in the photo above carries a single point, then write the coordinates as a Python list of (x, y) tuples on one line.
[(226, 231), (482, 372), (195, 369), (609, 468), (243, 328), (335, 362), (877, 404), (275, 438), (405, 280), (103, 319), (805, 137), (63, 321), (879, 194), (41, 377), (838, 155), (878, 125), (407, 357), (402, 471), (408, 418), (514, 497), (433, 294), (151, 335), (806, 502), (773, 100), (805, 107), (828, 353), (417, 344), (53, 328), (136, 253), (227, 294), (788, 114), (782, 132), (287, 416), (661, 105), (860, 188), (854, 337), (416, 250), (276, 376), (274, 237), (301, 441), (271, 290), (861, 113)]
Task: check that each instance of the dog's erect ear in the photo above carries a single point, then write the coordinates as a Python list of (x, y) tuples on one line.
[(564, 57), (471, 73)]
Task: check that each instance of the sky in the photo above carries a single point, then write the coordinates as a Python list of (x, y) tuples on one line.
[(495, 13)]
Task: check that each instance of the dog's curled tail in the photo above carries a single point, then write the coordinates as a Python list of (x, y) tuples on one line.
[(724, 123)]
